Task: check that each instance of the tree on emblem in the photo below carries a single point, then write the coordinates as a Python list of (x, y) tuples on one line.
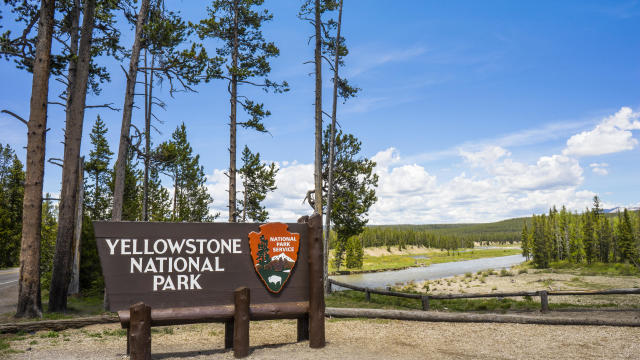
[(263, 251)]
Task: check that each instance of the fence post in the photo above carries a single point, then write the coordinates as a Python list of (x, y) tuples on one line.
[(128, 337), (425, 302), (303, 328), (316, 284), (544, 301), (367, 294), (140, 331), (241, 322)]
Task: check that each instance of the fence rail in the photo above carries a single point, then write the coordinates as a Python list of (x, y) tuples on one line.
[(544, 300)]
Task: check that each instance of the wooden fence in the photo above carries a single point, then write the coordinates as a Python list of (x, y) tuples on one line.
[(543, 294)]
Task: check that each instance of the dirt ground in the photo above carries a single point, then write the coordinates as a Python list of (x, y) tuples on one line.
[(348, 339), (535, 280)]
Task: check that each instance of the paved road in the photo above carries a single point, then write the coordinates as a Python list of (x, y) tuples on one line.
[(8, 290)]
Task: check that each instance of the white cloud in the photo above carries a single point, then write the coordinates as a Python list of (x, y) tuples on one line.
[(599, 168), (484, 157), (284, 204), (293, 182), (492, 185), (611, 135), (368, 59), (407, 193), (499, 188)]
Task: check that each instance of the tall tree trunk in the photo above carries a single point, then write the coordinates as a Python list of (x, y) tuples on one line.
[(29, 302), (332, 142), (61, 273), (121, 162), (175, 194), (145, 181), (232, 118), (318, 110), (147, 136), (74, 283), (244, 207), (96, 194), (74, 36)]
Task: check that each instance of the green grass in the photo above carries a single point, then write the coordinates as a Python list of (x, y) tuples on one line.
[(116, 332), (356, 299), (50, 334), (605, 269), (76, 306), (4, 344), (392, 262)]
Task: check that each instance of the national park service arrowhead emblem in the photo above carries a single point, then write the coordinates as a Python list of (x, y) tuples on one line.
[(274, 251)]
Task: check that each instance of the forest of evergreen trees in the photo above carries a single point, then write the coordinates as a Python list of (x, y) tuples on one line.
[(589, 237)]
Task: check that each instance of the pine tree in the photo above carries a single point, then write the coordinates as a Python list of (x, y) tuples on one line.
[(540, 242), (132, 197), (159, 205), (124, 144), (263, 251), (576, 246), (258, 180), (48, 241), (564, 219), (354, 253), (353, 188), (29, 290), (237, 24), (605, 238), (11, 195), (190, 197), (524, 241), (97, 191), (588, 236), (626, 242)]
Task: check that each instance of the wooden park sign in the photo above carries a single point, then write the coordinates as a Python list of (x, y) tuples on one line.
[(183, 273)]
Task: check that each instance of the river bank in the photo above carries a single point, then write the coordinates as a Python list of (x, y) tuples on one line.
[(377, 259), (522, 278)]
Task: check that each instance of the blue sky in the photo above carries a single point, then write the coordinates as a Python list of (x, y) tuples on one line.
[(474, 111)]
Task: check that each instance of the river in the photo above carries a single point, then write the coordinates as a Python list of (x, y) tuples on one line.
[(435, 271)]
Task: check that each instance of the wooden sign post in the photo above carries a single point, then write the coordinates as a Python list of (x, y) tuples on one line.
[(209, 272)]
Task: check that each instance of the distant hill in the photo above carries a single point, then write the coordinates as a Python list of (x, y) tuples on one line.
[(448, 236), (621, 209), (505, 228)]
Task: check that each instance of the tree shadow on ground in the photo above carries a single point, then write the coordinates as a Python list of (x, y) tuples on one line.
[(190, 354)]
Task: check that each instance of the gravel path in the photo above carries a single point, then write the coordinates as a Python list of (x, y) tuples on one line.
[(349, 339)]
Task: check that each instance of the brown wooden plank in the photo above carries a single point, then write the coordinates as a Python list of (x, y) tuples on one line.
[(241, 322), (140, 332), (316, 284)]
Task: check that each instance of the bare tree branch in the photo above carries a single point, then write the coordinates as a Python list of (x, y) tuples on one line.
[(108, 106), (55, 161), (16, 116)]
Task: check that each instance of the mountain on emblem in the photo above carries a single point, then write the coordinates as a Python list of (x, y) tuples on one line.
[(274, 251)]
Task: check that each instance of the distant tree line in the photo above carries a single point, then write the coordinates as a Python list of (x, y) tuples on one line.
[(589, 237), (388, 236), (11, 197)]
